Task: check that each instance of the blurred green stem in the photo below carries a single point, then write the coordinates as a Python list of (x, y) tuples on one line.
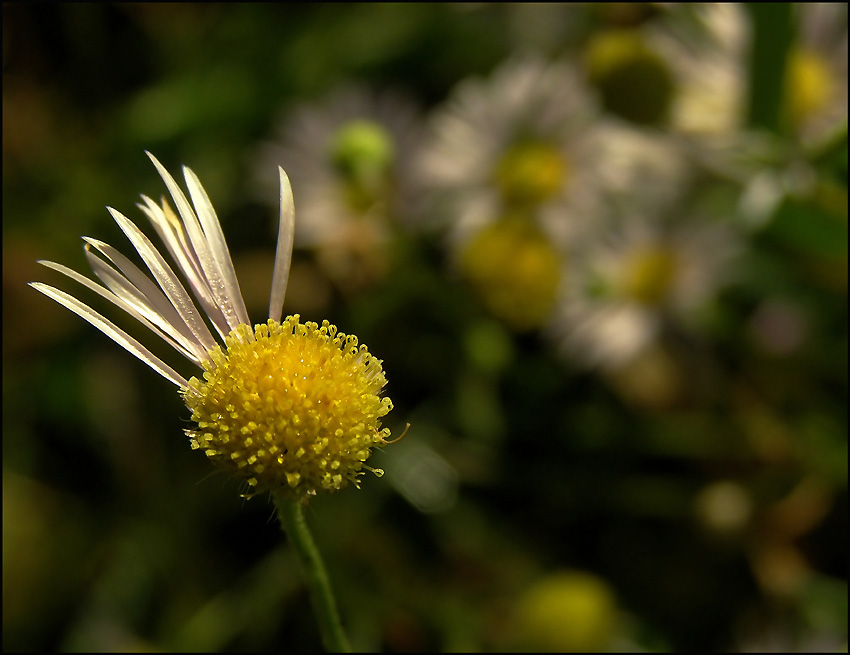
[(772, 37), (315, 575)]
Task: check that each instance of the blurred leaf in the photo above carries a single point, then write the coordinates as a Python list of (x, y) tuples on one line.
[(807, 228), (772, 35), (203, 100)]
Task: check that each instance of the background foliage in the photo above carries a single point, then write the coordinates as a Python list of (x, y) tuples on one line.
[(712, 518)]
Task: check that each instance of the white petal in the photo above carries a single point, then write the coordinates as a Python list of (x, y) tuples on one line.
[(217, 243), (166, 279), (113, 332), (283, 255), (201, 246), (133, 306), (171, 231), (135, 278)]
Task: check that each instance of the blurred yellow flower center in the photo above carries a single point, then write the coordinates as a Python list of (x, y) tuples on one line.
[(649, 274), (633, 80), (566, 612), (293, 408), (516, 270), (531, 173), (809, 85)]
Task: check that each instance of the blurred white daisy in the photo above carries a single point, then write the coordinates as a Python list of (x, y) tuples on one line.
[(688, 69), (814, 113), (712, 72), (680, 69), (515, 269), (289, 407), (508, 174), (350, 156), (706, 44), (514, 142), (641, 171), (816, 73), (695, 57), (683, 73), (632, 280)]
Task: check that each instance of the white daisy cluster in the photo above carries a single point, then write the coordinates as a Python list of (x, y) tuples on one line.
[(509, 174), (565, 218), (706, 50), (596, 197), (523, 136)]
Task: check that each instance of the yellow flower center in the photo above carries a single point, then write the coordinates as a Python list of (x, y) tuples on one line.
[(809, 85), (531, 173), (294, 408), (633, 80), (649, 274), (516, 270), (567, 611)]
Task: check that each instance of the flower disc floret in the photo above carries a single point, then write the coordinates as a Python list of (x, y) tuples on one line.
[(292, 407)]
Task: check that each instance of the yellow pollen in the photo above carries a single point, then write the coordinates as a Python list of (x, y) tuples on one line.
[(309, 407)]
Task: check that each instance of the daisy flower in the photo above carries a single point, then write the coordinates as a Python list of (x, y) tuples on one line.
[(350, 157), (515, 269), (633, 280), (705, 45), (773, 167), (508, 173), (687, 69), (513, 142), (290, 407), (712, 75), (702, 51), (816, 72)]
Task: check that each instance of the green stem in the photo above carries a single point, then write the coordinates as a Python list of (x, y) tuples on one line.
[(316, 577), (773, 32)]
